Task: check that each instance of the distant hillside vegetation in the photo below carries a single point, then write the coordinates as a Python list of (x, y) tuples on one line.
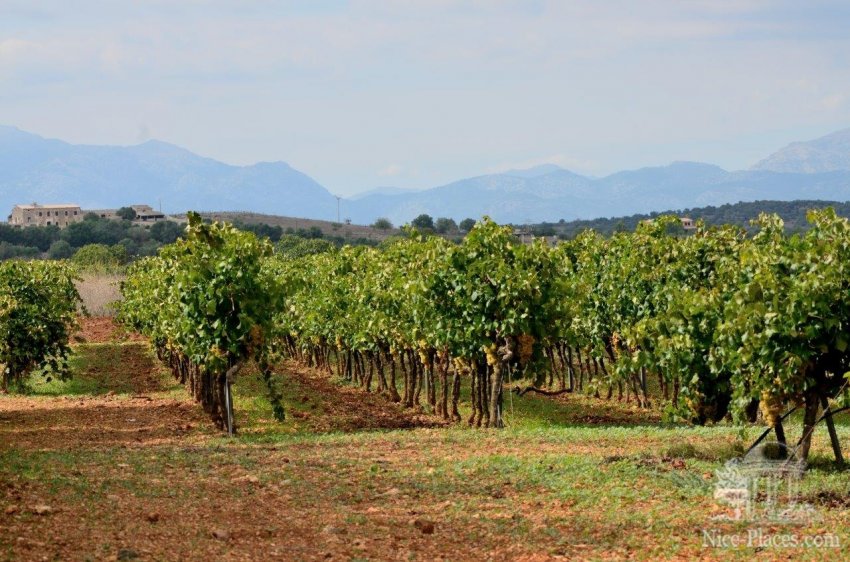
[(792, 212), (331, 230)]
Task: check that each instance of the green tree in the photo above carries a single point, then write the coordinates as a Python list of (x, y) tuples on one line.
[(423, 222), (382, 224), (60, 250), (467, 224), (126, 213), (445, 225), (166, 232)]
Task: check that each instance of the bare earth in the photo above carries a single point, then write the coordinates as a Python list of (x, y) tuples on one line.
[(131, 469)]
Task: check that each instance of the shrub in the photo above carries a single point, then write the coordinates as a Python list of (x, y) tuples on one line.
[(60, 250), (99, 256), (382, 224)]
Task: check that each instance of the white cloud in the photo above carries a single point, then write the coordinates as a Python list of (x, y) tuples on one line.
[(833, 101), (391, 170), (340, 89), (12, 49)]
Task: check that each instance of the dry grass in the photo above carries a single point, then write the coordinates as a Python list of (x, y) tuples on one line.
[(347, 231), (99, 291)]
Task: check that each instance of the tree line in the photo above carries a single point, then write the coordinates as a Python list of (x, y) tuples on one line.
[(97, 241), (793, 213), (54, 243)]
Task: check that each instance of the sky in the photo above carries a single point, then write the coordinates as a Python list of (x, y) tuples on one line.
[(418, 93)]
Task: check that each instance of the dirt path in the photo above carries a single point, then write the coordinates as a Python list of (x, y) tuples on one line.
[(323, 405), (119, 464), (119, 396)]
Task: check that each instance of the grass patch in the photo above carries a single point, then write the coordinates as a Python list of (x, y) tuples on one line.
[(97, 369)]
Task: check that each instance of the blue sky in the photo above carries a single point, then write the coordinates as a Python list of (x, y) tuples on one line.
[(416, 93)]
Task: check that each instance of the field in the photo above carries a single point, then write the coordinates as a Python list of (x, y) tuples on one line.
[(99, 291), (119, 463), (347, 231)]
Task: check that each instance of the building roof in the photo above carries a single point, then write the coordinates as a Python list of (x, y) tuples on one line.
[(37, 206), (145, 209)]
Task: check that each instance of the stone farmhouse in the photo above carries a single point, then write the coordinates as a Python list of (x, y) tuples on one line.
[(63, 215), (144, 213), (45, 215)]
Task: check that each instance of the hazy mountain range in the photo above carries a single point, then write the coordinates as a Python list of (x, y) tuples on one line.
[(33, 169), (51, 171)]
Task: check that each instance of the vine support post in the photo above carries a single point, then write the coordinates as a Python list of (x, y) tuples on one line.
[(229, 378), (833, 435), (228, 406)]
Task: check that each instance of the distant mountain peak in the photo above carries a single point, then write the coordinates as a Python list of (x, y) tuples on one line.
[(534, 171), (157, 143), (382, 190), (829, 153), (9, 132), (36, 169), (691, 164), (273, 164)]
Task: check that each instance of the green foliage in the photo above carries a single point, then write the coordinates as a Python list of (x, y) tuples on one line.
[(204, 301), (382, 224), (166, 232), (445, 225), (423, 222), (793, 213), (262, 230), (466, 225), (291, 246), (38, 304), (138, 240), (126, 213), (11, 251), (60, 250), (99, 257), (787, 338), (40, 237), (720, 318), (421, 297)]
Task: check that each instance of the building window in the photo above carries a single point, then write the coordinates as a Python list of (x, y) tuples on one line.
[(39, 213)]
